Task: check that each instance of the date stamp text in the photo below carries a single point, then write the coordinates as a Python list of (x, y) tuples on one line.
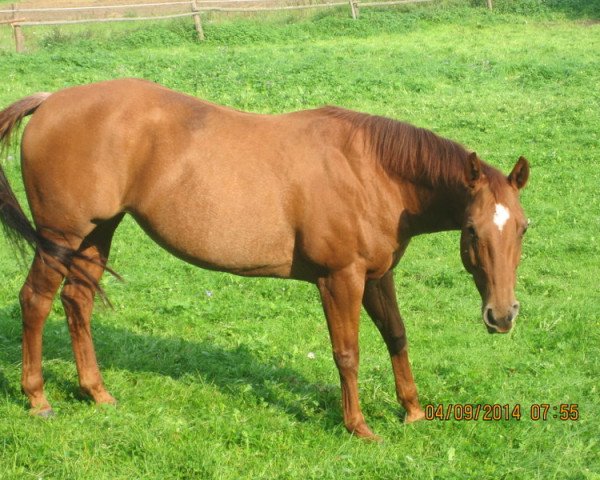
[(494, 412)]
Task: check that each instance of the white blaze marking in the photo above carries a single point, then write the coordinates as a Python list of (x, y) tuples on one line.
[(501, 216)]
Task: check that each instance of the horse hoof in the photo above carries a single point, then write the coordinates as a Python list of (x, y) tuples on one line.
[(109, 404), (45, 413), (414, 417), (372, 438)]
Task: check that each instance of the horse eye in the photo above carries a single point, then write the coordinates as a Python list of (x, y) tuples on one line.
[(472, 232)]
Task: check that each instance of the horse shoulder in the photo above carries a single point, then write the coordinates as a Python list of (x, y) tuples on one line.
[(350, 213)]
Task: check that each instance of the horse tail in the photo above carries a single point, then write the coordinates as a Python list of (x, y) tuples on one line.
[(18, 228), (11, 117)]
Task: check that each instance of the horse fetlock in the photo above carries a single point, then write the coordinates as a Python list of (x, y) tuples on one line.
[(39, 406), (98, 393), (44, 412), (361, 430), (407, 395), (32, 386)]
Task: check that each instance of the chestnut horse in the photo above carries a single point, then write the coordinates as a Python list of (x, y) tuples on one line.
[(328, 196)]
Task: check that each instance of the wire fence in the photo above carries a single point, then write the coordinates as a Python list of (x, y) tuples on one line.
[(21, 15)]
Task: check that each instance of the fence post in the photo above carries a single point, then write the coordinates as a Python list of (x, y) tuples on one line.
[(355, 10), (489, 4), (352, 9), (17, 32), (197, 21)]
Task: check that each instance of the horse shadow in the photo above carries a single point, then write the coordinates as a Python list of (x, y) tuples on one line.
[(233, 371)]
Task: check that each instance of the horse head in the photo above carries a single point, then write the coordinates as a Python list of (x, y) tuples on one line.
[(492, 233)]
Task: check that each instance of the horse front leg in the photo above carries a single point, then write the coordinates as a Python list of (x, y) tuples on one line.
[(341, 294), (380, 302)]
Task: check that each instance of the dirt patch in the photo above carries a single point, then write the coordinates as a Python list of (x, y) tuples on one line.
[(590, 22)]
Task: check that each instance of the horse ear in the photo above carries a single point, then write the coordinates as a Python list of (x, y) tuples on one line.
[(520, 173), (473, 169)]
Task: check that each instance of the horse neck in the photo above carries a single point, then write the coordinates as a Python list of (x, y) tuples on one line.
[(428, 210)]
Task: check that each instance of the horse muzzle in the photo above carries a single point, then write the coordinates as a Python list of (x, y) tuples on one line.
[(497, 321)]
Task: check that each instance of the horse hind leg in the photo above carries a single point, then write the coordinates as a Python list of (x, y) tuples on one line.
[(77, 297), (36, 296)]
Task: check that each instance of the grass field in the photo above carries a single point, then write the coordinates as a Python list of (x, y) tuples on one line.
[(212, 371)]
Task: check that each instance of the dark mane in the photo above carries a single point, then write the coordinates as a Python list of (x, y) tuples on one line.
[(412, 153)]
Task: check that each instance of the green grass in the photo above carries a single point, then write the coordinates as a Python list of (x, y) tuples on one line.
[(219, 384)]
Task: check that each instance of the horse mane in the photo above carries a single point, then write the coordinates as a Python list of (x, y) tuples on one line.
[(415, 154)]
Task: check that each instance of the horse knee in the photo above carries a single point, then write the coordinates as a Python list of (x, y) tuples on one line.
[(346, 359), (396, 344)]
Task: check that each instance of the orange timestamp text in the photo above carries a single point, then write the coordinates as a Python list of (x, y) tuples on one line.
[(497, 412)]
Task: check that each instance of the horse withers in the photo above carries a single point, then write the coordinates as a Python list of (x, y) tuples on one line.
[(328, 196)]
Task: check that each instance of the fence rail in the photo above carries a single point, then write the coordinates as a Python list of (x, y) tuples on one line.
[(18, 17)]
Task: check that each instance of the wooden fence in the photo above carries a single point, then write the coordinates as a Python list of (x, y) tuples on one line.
[(19, 16)]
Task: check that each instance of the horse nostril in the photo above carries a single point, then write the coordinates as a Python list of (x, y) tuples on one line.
[(490, 317)]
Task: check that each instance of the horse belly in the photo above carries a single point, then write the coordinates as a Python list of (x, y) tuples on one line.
[(246, 233)]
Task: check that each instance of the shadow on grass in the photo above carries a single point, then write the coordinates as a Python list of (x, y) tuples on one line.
[(577, 8), (8, 389), (572, 9), (234, 371)]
